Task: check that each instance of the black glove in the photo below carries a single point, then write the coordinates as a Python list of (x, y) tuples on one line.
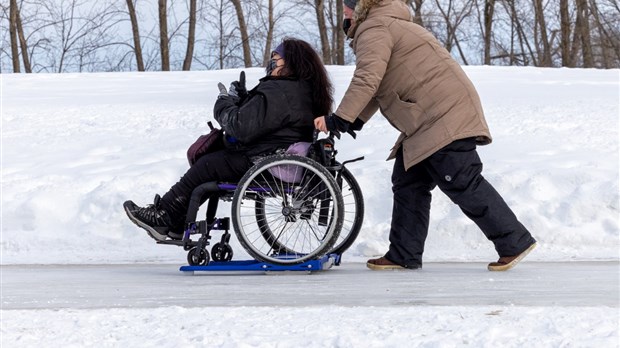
[(237, 88), (336, 125), (356, 125)]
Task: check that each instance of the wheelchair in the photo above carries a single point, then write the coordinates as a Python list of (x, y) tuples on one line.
[(287, 209)]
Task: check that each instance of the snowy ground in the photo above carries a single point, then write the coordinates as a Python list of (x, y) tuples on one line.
[(75, 146)]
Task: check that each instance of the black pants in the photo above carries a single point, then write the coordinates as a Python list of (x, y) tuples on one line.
[(220, 166), (456, 169)]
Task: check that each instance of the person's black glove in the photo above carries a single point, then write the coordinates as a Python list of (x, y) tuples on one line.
[(237, 88), (337, 125)]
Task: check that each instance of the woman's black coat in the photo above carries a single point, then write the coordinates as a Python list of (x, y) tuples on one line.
[(275, 114)]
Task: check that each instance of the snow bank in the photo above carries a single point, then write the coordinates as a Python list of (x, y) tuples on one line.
[(76, 146)]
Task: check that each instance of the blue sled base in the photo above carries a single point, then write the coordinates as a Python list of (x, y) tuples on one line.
[(324, 263)]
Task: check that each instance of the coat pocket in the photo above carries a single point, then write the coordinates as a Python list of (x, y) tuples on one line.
[(404, 115)]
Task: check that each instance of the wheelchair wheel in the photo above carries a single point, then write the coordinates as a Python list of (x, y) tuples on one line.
[(198, 257), (287, 209), (353, 212)]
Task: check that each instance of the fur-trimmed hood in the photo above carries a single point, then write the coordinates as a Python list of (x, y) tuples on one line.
[(382, 7), (362, 8)]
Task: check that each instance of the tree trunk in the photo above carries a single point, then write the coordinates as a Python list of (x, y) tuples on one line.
[(245, 39), (136, 35), (221, 25), (269, 39), (584, 33), (320, 17), (163, 36), (565, 31), (23, 43), (339, 34), (545, 60), (610, 50), (489, 9), (576, 41), (13, 35), (191, 36)]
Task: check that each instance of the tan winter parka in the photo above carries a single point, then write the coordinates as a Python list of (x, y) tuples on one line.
[(403, 70)]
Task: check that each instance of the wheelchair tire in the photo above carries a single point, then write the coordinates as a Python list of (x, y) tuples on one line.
[(283, 222), (353, 216), (221, 252), (198, 257)]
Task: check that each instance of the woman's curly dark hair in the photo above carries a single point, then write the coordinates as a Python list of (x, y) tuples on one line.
[(302, 61)]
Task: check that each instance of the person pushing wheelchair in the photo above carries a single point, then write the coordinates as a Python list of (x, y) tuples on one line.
[(402, 70)]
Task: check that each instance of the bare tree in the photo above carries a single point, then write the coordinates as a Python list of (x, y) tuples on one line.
[(245, 39), (23, 43), (222, 43), (191, 36), (416, 6), (540, 27), (319, 7), (339, 33), (453, 17), (565, 33), (13, 33), (519, 55), (333, 14), (137, 48), (163, 35), (82, 29), (608, 37), (489, 10), (82, 35), (582, 27), (269, 38)]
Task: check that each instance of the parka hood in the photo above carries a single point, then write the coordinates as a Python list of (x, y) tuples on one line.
[(383, 8)]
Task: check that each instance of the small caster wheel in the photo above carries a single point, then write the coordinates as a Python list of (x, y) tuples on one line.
[(222, 252), (198, 257)]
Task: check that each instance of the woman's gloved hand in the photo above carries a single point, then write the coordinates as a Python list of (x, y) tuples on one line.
[(237, 88)]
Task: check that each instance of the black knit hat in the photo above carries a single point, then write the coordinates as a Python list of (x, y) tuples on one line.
[(350, 4)]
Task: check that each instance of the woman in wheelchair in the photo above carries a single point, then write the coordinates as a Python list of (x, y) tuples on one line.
[(278, 112)]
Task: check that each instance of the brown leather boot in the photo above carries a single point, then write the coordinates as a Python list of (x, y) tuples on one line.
[(382, 264), (507, 262)]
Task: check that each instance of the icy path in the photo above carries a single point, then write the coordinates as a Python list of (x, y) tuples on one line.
[(538, 304), (351, 284)]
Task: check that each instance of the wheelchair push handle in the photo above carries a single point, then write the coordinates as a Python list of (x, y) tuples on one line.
[(332, 135)]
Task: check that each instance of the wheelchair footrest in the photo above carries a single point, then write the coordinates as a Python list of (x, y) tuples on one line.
[(324, 263)]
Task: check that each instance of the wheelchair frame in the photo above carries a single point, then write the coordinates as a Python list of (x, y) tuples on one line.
[(273, 250)]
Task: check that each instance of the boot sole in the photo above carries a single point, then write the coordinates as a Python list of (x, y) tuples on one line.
[(149, 230), (374, 267), (504, 267)]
